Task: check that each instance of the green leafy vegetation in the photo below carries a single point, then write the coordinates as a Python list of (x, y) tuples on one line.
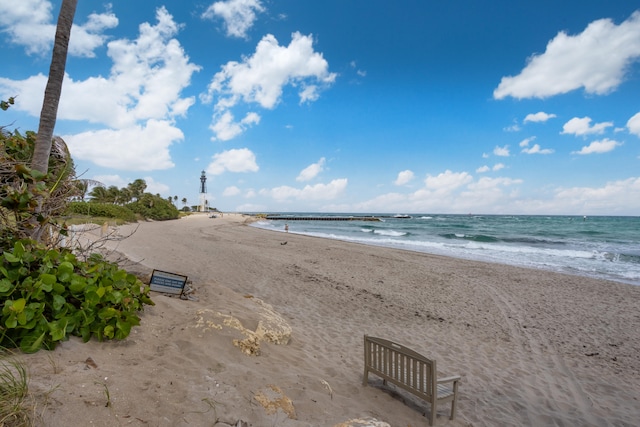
[(154, 207), (102, 210), (4, 105), (133, 199), (48, 292)]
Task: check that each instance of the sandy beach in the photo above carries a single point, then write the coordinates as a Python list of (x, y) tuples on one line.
[(273, 336)]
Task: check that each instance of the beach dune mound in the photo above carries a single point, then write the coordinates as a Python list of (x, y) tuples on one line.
[(272, 327), (261, 323)]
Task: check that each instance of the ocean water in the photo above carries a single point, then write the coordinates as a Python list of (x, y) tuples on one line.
[(604, 247)]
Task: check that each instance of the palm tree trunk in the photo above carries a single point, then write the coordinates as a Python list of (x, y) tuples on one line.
[(49, 112), (42, 150)]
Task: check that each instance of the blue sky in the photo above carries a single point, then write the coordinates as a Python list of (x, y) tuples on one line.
[(345, 105)]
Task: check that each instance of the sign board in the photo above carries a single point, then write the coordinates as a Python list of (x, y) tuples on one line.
[(170, 283)]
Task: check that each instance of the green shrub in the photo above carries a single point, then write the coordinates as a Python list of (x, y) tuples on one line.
[(107, 210), (154, 207), (48, 294), (29, 199)]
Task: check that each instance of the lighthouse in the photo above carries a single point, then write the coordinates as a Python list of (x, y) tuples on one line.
[(203, 192)]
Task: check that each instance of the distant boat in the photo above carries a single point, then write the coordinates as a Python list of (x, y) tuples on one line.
[(402, 216)]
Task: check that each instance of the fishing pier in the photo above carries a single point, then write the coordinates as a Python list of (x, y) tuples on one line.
[(371, 218), (322, 218)]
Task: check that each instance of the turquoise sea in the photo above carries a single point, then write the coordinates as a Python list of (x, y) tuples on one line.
[(604, 247)]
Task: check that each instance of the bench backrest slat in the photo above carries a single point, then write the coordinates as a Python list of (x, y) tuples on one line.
[(402, 366)]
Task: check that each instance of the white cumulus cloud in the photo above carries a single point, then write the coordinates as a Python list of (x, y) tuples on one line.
[(525, 142), (310, 192), (86, 38), (225, 127), (236, 160), (311, 171), (404, 177), (459, 192), (31, 24), (486, 168), (599, 147), (155, 187), (140, 96), (231, 191), (146, 79), (634, 125), (261, 78), (238, 15), (136, 148), (601, 199), (447, 181), (486, 183), (596, 59), (582, 126), (536, 149), (501, 151), (538, 117)]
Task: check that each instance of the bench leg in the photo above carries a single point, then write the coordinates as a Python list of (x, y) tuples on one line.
[(453, 409), (432, 416), (454, 401)]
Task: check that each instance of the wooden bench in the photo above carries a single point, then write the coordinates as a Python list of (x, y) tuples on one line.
[(410, 371)]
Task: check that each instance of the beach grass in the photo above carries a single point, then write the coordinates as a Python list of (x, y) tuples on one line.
[(16, 407)]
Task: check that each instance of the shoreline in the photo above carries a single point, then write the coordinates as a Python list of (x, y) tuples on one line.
[(479, 258), (533, 347), (476, 259)]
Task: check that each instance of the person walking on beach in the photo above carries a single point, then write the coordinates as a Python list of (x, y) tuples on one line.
[(286, 228)]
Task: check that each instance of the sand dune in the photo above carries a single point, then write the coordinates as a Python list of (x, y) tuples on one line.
[(532, 347)]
